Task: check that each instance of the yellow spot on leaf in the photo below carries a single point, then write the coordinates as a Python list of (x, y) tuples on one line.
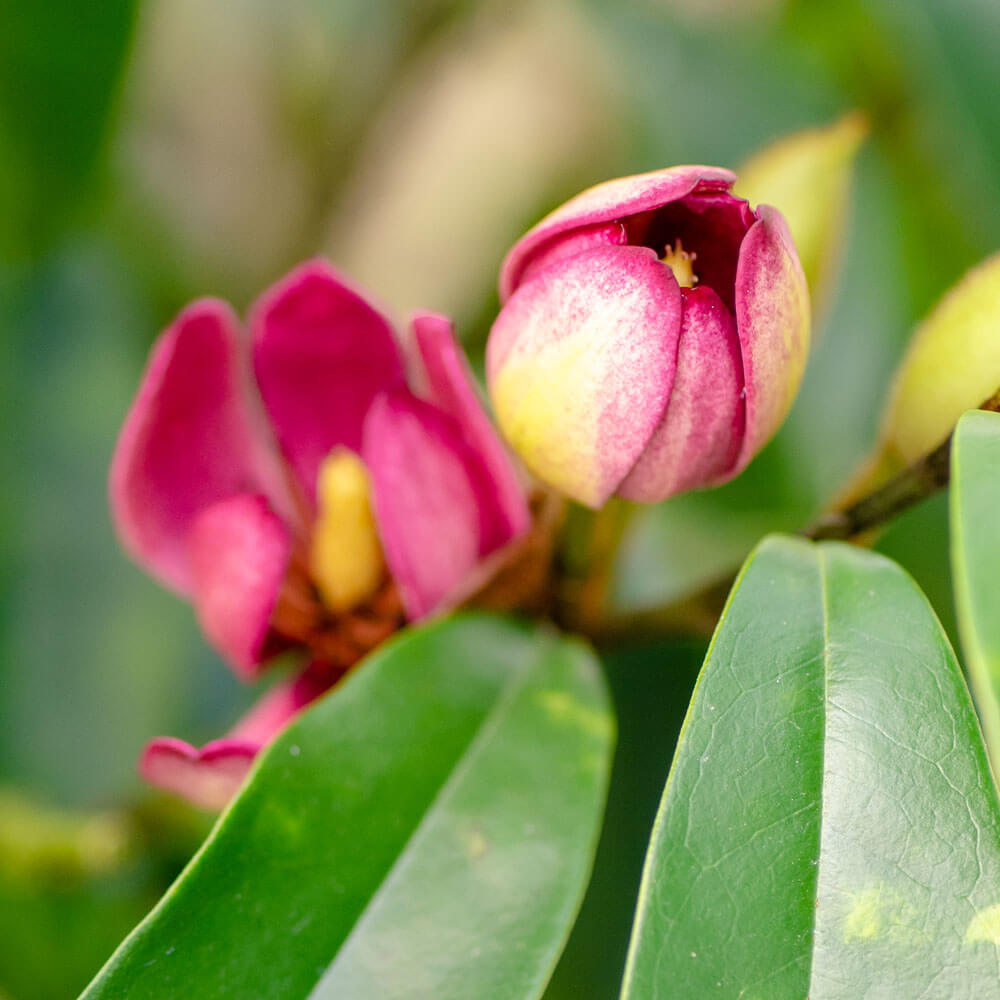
[(863, 921), (985, 925), (562, 707), (345, 556), (882, 912), (475, 843)]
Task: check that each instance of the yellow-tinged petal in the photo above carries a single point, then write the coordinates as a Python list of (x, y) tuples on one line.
[(550, 419), (345, 555), (807, 177), (580, 364), (952, 365)]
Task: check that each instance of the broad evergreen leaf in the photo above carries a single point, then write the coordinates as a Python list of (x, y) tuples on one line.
[(424, 831), (829, 828), (975, 560)]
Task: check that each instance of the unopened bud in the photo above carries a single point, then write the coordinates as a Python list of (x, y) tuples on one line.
[(653, 336), (808, 176), (952, 365)]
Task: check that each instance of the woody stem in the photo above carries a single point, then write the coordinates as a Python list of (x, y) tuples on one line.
[(915, 483), (699, 612)]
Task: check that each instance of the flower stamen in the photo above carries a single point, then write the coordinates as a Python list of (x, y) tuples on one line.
[(345, 555), (681, 262)]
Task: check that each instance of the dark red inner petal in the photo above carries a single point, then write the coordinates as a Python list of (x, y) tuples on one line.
[(709, 223)]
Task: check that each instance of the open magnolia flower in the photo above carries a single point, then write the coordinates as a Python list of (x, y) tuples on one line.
[(653, 336), (351, 501)]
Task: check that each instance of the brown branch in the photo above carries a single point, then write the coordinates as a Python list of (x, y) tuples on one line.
[(915, 483)]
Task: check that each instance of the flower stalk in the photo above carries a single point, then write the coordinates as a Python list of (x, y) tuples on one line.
[(857, 522), (917, 482), (590, 548)]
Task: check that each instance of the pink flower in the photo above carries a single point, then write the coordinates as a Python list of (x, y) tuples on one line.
[(654, 332), (303, 493)]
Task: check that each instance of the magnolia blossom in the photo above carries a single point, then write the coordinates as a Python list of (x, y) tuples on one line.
[(653, 335), (303, 492)]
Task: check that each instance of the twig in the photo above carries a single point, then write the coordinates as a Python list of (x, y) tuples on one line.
[(915, 483), (699, 612)]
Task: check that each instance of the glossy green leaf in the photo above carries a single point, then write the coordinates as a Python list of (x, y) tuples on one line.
[(975, 557), (829, 828), (425, 831)]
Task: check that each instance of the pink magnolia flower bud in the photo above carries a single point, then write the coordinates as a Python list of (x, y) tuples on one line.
[(653, 336)]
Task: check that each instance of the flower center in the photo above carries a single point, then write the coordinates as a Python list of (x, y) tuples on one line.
[(335, 641), (681, 262), (345, 557), (337, 600)]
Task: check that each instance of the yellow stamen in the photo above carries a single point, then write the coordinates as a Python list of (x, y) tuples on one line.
[(681, 262), (345, 556)]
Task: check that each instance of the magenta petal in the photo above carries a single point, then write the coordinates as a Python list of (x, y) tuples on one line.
[(279, 706), (580, 364), (573, 242), (608, 202), (239, 555), (428, 499), (321, 355), (187, 440), (702, 428), (209, 777), (452, 389), (772, 316)]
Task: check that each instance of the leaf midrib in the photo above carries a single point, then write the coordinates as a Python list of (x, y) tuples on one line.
[(464, 761), (821, 565)]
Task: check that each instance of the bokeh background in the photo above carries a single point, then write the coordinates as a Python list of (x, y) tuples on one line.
[(156, 150)]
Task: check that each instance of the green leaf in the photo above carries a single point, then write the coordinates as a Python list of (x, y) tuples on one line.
[(829, 828), (60, 64), (425, 831), (975, 556), (651, 685)]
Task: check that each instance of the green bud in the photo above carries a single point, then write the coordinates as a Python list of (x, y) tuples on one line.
[(807, 176), (952, 365)]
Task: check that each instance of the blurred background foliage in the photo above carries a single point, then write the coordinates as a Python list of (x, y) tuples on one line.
[(155, 150)]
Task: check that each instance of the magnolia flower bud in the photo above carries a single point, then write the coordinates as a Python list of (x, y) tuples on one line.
[(952, 365), (809, 175), (653, 336)]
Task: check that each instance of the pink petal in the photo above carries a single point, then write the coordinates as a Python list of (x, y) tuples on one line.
[(573, 242), (608, 202), (239, 553), (772, 316), (702, 428), (429, 497), (280, 705), (580, 365), (321, 355), (452, 389), (209, 777), (187, 441)]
